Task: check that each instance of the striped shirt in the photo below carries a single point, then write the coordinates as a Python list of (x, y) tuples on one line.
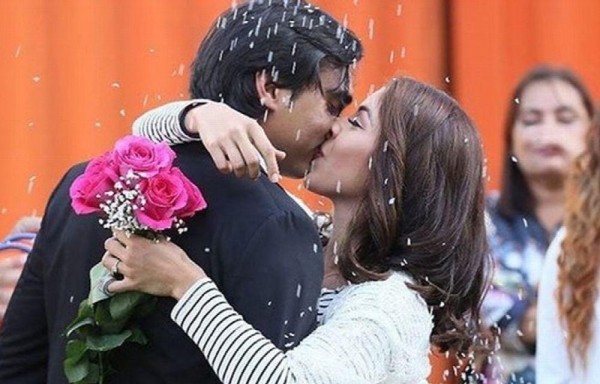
[(163, 124), (375, 332)]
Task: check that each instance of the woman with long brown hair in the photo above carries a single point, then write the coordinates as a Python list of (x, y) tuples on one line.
[(407, 262), (568, 340)]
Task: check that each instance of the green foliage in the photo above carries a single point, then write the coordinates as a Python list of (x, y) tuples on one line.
[(98, 330)]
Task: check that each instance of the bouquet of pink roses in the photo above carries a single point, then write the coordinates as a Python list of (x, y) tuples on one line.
[(134, 188)]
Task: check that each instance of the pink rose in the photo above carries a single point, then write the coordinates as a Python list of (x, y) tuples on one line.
[(88, 190), (165, 194), (142, 156), (195, 201)]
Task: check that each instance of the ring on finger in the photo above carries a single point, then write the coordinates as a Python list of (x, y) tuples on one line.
[(115, 268), (105, 284)]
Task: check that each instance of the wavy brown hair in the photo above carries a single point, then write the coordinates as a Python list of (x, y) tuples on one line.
[(515, 196), (579, 262), (424, 210)]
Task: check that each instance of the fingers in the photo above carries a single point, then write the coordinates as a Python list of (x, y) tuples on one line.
[(118, 286), (219, 158), (236, 158), (123, 237), (250, 156), (115, 248), (267, 151)]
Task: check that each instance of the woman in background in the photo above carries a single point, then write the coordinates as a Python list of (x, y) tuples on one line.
[(544, 133), (569, 306)]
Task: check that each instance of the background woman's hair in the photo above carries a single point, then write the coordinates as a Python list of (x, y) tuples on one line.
[(515, 196), (424, 213), (579, 263)]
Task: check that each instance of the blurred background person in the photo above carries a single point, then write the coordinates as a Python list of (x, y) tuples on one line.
[(568, 349), (13, 254), (544, 132)]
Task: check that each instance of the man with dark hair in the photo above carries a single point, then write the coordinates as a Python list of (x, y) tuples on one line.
[(284, 62)]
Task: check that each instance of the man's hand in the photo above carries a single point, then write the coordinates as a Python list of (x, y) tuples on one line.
[(234, 140)]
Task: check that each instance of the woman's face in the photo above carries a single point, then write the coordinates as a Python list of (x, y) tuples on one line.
[(340, 168), (549, 132)]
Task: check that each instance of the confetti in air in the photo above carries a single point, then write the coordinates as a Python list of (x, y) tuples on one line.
[(31, 184), (18, 51), (399, 10), (514, 159), (371, 28)]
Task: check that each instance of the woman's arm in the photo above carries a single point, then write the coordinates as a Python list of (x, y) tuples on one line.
[(164, 124), (359, 343), (235, 142)]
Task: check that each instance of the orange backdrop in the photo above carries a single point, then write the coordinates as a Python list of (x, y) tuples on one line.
[(76, 73)]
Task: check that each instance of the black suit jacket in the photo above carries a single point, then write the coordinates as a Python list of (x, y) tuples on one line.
[(254, 241)]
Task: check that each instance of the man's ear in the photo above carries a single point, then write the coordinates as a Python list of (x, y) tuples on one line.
[(267, 92)]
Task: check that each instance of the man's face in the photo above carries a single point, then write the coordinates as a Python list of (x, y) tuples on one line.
[(301, 125)]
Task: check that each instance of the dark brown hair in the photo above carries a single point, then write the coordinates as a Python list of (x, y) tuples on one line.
[(424, 211), (515, 196), (579, 264)]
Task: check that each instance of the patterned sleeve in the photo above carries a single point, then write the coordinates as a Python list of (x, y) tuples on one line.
[(358, 344), (165, 123)]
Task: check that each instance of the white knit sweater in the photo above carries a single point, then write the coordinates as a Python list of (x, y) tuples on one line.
[(375, 332)]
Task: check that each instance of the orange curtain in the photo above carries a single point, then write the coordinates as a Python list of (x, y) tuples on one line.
[(76, 73), (494, 42)]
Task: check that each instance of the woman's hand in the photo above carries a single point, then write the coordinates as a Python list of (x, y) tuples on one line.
[(158, 268), (234, 140)]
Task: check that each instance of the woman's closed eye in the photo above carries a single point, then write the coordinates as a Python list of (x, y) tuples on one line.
[(355, 122)]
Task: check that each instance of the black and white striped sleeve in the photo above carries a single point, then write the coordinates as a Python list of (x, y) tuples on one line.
[(237, 352), (165, 123), (375, 332)]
